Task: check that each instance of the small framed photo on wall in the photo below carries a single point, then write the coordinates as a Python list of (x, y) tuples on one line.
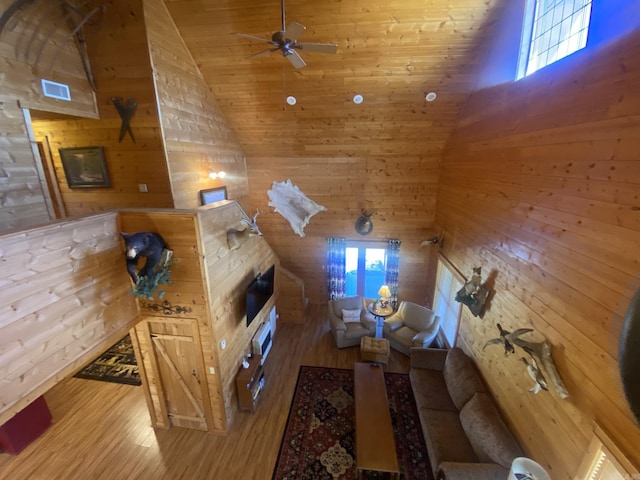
[(213, 195), (85, 167)]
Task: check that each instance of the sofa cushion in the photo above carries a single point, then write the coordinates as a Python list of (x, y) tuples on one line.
[(461, 377), (348, 303), (430, 390), (445, 438), (490, 438), (355, 330), (351, 315), (417, 317)]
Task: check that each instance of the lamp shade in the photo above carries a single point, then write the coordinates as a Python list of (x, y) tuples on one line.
[(524, 468), (384, 291)]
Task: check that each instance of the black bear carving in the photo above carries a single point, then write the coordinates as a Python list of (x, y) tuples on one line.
[(143, 244)]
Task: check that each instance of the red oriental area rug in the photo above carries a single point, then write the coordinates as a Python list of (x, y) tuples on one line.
[(319, 439)]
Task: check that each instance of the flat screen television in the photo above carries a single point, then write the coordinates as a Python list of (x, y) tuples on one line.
[(259, 292)]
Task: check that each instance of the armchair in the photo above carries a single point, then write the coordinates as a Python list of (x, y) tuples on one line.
[(411, 326), (348, 332)]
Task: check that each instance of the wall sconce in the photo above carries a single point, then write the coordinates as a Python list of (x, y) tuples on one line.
[(213, 174)]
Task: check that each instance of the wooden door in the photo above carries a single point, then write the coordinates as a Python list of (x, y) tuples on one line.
[(174, 374)]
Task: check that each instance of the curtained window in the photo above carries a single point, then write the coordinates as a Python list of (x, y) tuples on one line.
[(362, 267)]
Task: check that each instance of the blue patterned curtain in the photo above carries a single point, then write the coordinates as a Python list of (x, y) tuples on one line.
[(393, 265), (336, 262)]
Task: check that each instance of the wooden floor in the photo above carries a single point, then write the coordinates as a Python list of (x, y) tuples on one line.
[(101, 430)]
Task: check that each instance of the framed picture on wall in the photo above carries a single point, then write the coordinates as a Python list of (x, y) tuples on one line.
[(213, 195), (85, 167)]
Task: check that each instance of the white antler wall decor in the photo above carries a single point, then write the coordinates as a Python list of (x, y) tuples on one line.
[(289, 201)]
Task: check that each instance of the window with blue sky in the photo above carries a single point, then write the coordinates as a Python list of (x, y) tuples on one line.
[(552, 30)]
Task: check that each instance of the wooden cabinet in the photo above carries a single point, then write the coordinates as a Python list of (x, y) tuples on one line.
[(249, 383)]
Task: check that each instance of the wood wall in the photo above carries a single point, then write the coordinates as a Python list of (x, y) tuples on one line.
[(197, 137), (64, 300), (120, 63), (208, 284), (22, 198), (382, 155), (539, 185)]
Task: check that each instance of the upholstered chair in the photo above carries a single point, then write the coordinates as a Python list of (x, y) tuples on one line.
[(350, 320), (411, 326)]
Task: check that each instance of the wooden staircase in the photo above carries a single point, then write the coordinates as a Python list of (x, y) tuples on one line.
[(292, 302)]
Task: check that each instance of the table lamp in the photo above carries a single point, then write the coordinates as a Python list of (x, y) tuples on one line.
[(384, 293)]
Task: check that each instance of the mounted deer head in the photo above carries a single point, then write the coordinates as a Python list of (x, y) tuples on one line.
[(235, 237)]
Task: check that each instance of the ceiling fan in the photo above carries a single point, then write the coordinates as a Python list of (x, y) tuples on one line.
[(286, 41)]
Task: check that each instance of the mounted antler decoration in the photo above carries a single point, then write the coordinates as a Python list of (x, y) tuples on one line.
[(236, 237), (474, 294), (540, 354), (126, 111)]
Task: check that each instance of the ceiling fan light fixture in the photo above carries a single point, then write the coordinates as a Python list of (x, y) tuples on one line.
[(358, 99), (291, 100)]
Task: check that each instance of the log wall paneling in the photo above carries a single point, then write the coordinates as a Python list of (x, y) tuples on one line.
[(121, 66), (382, 155), (22, 200), (406, 214), (208, 284), (196, 135), (545, 195), (228, 274), (63, 301)]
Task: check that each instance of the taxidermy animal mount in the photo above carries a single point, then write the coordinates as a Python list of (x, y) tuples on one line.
[(473, 293), (235, 237), (540, 353), (143, 244), (364, 225)]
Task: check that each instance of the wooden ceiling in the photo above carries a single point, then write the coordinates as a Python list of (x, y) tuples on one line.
[(392, 53)]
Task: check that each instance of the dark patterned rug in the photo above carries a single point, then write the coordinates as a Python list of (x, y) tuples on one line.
[(118, 365), (319, 439)]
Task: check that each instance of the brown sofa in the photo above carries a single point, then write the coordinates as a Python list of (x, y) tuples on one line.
[(466, 437)]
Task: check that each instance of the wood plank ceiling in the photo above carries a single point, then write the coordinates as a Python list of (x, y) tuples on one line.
[(392, 53)]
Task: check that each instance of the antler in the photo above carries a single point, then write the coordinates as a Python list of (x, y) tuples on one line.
[(251, 223)]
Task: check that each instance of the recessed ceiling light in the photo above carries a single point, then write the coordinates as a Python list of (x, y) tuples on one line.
[(431, 96), (291, 100), (358, 99)]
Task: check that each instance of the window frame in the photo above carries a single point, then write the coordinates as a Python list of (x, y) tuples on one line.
[(602, 444), (528, 30), (362, 246), (459, 278)]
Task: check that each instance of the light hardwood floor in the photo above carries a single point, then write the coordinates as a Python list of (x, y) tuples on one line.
[(101, 430)]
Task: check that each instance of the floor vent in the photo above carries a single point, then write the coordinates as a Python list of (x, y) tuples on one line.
[(55, 90)]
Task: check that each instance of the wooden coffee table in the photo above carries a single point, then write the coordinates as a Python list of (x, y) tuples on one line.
[(375, 445)]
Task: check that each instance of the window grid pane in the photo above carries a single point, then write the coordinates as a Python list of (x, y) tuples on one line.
[(559, 29)]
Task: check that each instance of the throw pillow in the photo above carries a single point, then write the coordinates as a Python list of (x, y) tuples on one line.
[(351, 316)]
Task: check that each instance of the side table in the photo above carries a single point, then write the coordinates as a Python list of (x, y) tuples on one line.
[(380, 314)]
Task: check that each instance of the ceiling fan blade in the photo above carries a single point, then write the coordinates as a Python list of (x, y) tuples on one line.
[(318, 47), (295, 59), (257, 39), (264, 53), (294, 30)]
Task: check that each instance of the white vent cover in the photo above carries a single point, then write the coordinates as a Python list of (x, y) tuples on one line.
[(56, 90)]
